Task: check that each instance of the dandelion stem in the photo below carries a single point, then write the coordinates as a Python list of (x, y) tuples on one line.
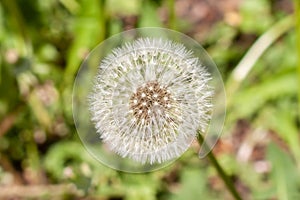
[(228, 182)]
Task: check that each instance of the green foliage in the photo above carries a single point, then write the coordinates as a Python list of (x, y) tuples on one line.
[(149, 16), (282, 120), (124, 7), (256, 11), (248, 101), (284, 173), (193, 185)]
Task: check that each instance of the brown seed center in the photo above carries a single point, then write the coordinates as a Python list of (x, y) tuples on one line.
[(150, 100)]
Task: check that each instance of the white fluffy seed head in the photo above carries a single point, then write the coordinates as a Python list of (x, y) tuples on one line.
[(151, 99)]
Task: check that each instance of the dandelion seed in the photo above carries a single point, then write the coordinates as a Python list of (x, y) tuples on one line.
[(163, 99)]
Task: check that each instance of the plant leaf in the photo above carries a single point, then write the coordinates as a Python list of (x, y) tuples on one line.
[(284, 173)]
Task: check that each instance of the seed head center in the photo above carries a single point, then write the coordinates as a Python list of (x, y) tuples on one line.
[(149, 100)]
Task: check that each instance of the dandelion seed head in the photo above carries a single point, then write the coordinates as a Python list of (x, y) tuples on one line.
[(151, 99), (151, 92)]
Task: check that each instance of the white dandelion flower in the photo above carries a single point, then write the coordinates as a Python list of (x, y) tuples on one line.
[(149, 100)]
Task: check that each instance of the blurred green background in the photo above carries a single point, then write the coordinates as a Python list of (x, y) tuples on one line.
[(42, 44)]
